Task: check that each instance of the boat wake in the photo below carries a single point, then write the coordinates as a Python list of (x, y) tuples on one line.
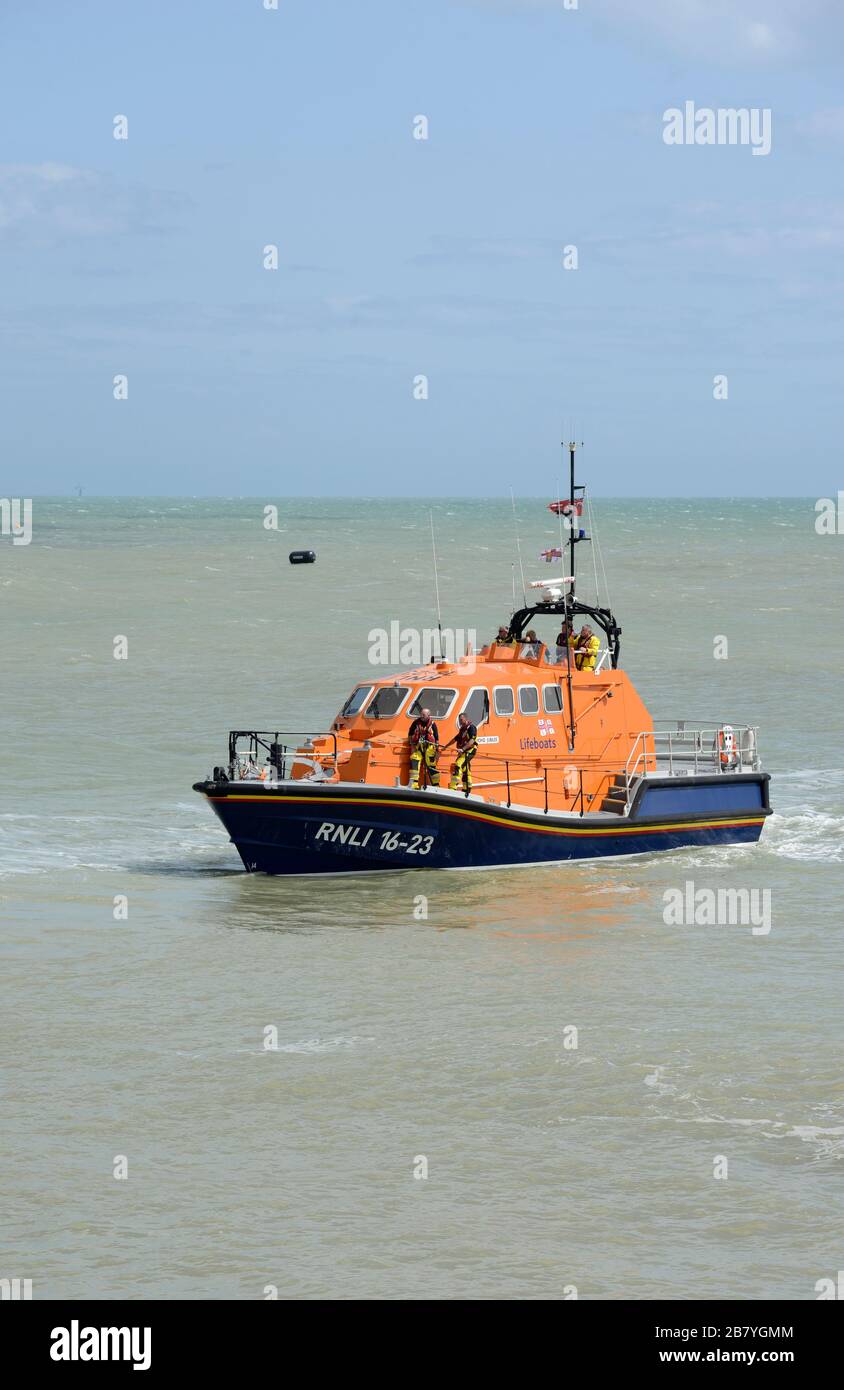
[(808, 820), (673, 1098), (182, 842), (805, 834)]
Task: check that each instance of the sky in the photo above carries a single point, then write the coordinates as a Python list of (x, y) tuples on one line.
[(402, 258)]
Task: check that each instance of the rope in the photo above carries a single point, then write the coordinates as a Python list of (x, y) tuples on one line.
[(597, 547)]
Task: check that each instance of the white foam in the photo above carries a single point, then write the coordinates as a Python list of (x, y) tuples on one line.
[(33, 844), (806, 835), (311, 1045)]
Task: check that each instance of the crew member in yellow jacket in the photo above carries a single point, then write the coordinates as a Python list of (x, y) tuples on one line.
[(586, 649)]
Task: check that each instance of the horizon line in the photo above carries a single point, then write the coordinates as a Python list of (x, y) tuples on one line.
[(411, 497)]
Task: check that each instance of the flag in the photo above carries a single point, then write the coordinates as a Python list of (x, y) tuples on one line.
[(555, 553), (563, 507)]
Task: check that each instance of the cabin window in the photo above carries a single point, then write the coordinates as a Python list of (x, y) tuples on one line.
[(476, 707), (552, 699), (528, 699), (504, 702), (434, 698), (356, 701), (387, 701)]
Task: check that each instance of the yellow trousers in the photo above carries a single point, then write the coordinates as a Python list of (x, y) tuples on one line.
[(462, 768), (430, 752)]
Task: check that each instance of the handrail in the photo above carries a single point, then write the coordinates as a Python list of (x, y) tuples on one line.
[(631, 774), (278, 753), (687, 747), (502, 782)]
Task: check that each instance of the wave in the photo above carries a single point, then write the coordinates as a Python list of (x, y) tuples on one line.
[(44, 844), (807, 835), (311, 1045), (674, 1099), (182, 842)]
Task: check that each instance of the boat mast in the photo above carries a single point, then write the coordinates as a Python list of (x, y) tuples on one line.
[(568, 597), (572, 447), (436, 588)]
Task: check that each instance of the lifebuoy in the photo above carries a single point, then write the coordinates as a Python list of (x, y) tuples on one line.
[(727, 751)]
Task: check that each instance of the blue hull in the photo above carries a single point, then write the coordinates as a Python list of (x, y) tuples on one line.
[(303, 828)]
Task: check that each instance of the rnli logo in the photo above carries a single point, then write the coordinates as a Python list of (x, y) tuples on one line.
[(547, 736)]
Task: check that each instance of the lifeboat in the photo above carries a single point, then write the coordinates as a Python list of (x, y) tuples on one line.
[(566, 762)]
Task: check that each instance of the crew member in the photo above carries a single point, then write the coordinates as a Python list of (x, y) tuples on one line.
[(531, 644), (466, 746), (586, 649), (424, 738), (565, 637), (503, 639)]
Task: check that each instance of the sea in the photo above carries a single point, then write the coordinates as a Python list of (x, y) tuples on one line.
[(223, 1086)]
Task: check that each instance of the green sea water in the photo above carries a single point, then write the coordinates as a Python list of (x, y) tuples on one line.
[(398, 1038)]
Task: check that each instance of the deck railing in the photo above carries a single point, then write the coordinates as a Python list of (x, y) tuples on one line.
[(247, 748), (686, 747), (678, 749)]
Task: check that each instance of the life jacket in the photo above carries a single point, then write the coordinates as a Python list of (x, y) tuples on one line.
[(420, 732), (466, 738), (587, 649)]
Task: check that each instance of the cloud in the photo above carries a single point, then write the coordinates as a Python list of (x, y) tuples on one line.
[(727, 32), (192, 338), (828, 124), (783, 232), (462, 250), (709, 232), (46, 204)]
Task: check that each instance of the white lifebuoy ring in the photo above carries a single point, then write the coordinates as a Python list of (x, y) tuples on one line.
[(726, 746)]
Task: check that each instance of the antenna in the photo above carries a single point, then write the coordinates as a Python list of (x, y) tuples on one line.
[(436, 587), (568, 602), (518, 548), (572, 513), (562, 542)]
